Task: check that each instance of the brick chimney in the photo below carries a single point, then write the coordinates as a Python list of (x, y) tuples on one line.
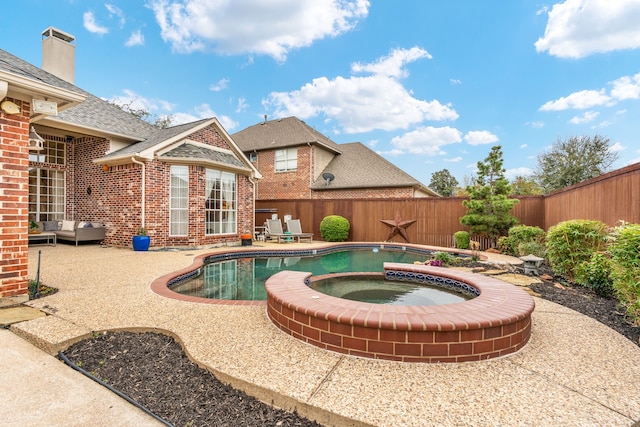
[(59, 54)]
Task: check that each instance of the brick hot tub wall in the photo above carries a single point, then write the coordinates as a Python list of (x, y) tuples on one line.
[(495, 323)]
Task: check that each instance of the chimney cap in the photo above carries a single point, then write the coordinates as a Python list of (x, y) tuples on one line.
[(54, 32)]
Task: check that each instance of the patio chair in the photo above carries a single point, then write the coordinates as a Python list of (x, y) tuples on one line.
[(275, 231), (293, 225)]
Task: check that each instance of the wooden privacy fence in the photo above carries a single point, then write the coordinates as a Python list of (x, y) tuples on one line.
[(436, 218), (608, 198)]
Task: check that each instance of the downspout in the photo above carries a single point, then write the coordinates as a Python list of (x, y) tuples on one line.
[(251, 180), (143, 173)]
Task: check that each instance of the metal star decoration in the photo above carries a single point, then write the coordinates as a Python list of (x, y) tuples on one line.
[(398, 226)]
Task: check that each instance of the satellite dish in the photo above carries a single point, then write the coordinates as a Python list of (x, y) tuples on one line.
[(328, 177)]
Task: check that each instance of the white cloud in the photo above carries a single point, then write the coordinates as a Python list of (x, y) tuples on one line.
[(453, 160), (480, 137), (427, 140), (626, 87), (579, 28), (116, 11), (136, 39), (393, 152), (578, 100), (219, 85), (242, 105), (393, 64), (524, 146), (138, 102), (521, 171), (455, 81), (203, 111), (254, 26), (617, 147), (372, 143), (587, 117), (91, 25), (363, 103), (535, 125)]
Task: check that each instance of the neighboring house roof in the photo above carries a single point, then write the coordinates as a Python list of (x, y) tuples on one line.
[(361, 167), (281, 133)]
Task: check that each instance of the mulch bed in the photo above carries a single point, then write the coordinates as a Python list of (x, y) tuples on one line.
[(153, 369)]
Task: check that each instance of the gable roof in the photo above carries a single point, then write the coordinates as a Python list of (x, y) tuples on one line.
[(360, 167), (281, 133)]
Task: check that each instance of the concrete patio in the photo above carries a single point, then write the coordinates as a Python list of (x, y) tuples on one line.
[(573, 372)]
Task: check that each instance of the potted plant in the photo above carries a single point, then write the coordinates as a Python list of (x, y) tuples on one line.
[(246, 238), (141, 240), (34, 228)]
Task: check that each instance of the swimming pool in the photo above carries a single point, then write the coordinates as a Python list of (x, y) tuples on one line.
[(242, 275)]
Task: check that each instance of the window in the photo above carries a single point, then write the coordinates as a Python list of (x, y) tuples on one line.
[(47, 186), (253, 157), (179, 201), (52, 152), (46, 194), (286, 160), (221, 202)]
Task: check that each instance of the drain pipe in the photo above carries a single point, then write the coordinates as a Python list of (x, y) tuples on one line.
[(143, 189), (254, 183)]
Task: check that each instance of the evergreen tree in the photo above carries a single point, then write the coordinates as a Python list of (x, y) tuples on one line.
[(488, 208)]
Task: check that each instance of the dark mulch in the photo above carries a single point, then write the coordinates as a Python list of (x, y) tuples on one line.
[(152, 368)]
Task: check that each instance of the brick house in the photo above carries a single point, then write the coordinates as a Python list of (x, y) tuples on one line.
[(298, 162), (88, 160)]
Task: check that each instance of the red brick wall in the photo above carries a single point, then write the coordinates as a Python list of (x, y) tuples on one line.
[(284, 185), (14, 194), (116, 195)]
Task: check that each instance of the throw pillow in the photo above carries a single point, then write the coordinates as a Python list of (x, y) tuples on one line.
[(50, 225), (88, 225), (68, 225), (81, 224)]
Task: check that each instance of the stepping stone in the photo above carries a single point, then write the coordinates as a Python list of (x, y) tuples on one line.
[(11, 315)]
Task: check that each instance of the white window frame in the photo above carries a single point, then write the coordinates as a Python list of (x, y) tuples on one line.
[(286, 160), (179, 201), (221, 202), (47, 194)]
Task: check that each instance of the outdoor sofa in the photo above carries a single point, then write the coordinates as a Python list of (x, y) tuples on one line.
[(74, 231)]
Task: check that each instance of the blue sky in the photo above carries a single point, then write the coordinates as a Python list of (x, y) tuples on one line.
[(427, 84)]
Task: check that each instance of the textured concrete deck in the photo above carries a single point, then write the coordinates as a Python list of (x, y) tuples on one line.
[(573, 372)]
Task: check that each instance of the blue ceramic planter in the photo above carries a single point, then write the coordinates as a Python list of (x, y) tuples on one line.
[(141, 243)]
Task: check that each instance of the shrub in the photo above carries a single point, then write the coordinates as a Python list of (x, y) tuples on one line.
[(625, 255), (462, 239), (444, 257), (334, 228), (571, 243), (523, 240), (596, 274)]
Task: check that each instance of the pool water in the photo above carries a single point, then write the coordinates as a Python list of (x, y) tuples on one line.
[(244, 278), (377, 290)]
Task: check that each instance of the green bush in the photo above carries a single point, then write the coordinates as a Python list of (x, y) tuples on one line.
[(445, 257), (596, 274), (334, 228), (462, 239), (625, 255), (523, 240), (571, 243)]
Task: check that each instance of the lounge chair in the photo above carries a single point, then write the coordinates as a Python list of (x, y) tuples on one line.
[(293, 225), (274, 230)]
